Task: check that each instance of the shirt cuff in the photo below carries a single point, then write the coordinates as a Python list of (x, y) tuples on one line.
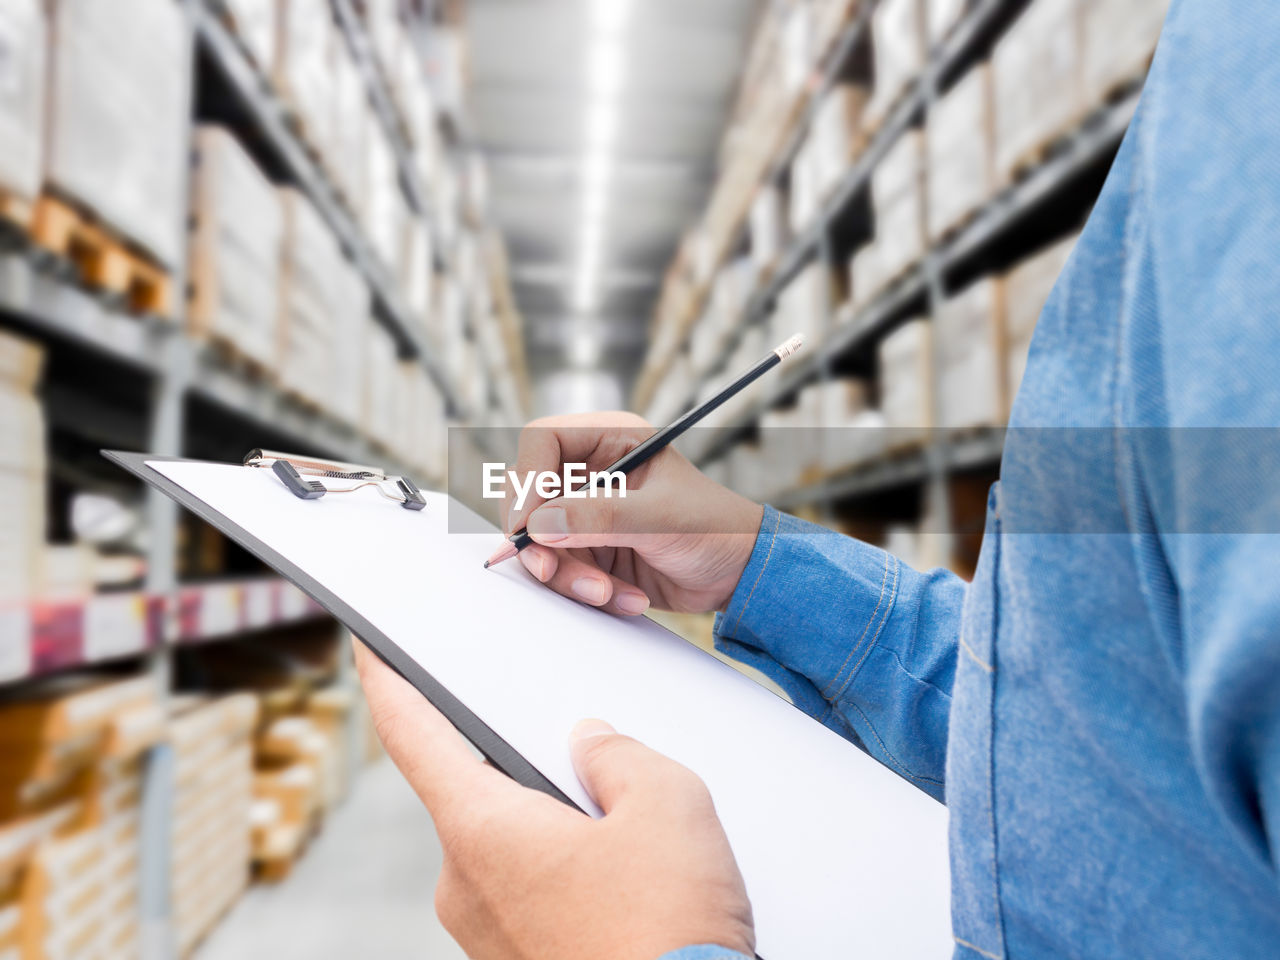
[(704, 951)]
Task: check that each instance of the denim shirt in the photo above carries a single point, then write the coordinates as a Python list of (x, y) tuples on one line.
[(1100, 708)]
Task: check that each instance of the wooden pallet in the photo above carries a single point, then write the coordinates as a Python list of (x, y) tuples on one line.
[(102, 259), (15, 210), (229, 354)]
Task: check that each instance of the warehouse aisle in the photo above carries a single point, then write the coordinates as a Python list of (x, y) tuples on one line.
[(364, 889)]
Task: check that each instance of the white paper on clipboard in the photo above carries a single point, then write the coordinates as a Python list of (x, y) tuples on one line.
[(840, 856)]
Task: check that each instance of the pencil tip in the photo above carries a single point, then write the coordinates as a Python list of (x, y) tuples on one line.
[(506, 552)]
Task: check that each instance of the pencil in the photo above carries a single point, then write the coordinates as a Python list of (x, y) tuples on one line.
[(650, 448)]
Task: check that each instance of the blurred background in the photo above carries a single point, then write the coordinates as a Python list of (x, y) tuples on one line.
[(342, 227)]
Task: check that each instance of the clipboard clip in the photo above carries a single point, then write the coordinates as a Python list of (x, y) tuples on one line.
[(309, 478)]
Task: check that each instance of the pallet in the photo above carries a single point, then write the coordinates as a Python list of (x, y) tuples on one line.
[(15, 210), (101, 258), (273, 871), (959, 224), (229, 355)]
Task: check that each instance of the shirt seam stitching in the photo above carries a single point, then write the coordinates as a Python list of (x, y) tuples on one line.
[(888, 608), (888, 562), (763, 567)]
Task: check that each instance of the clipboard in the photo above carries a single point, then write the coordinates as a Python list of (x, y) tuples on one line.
[(840, 856)]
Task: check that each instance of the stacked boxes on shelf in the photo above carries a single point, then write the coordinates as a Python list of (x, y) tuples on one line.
[(898, 44), (906, 383), (838, 135), (70, 800), (1027, 287), (898, 201), (303, 67), (22, 471), (235, 261), (213, 793), (117, 117), (969, 354), (309, 288), (1036, 82), (961, 145), (22, 109), (1117, 41), (302, 764)]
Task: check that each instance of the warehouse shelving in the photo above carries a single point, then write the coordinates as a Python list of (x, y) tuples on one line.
[(185, 395), (53, 307), (1038, 207), (952, 55), (910, 467), (48, 636), (271, 119), (1092, 142)]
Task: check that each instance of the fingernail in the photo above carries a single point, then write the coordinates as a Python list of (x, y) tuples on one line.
[(589, 589), (542, 572), (549, 524), (633, 603), (586, 729)]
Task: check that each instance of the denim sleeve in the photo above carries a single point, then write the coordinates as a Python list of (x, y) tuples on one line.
[(704, 952), (860, 641)]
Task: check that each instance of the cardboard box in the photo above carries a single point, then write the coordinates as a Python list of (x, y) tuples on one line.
[(303, 68), (767, 226), (898, 52), (117, 118), (1027, 287), (970, 357), (70, 706), (898, 200), (837, 135), (236, 249), (961, 144), (1117, 42), (23, 30), (906, 381), (310, 286), (1036, 82)]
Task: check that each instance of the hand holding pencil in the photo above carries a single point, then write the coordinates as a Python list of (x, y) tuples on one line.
[(678, 540)]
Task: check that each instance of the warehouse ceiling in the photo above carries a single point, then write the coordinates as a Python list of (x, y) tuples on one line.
[(600, 121)]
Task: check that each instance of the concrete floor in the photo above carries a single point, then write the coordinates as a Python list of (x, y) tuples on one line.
[(364, 889)]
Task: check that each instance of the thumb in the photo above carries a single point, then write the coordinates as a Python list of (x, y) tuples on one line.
[(616, 770), (601, 521)]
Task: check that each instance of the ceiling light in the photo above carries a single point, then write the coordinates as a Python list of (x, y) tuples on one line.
[(609, 17), (604, 69), (585, 348), (602, 125)]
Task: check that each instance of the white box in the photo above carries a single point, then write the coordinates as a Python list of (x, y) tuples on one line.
[(235, 249), (837, 134), (1027, 288), (303, 71), (1117, 42), (898, 35), (969, 357), (960, 136), (1036, 82), (768, 227), (906, 378), (897, 194), (118, 106), (23, 44)]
